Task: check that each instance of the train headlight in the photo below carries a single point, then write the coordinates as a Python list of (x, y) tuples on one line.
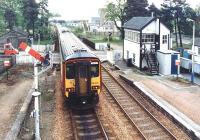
[(70, 89), (95, 87)]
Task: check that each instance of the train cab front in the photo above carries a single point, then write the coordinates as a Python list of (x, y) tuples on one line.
[(85, 85)]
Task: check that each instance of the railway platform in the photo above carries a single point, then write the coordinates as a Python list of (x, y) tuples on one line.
[(180, 98)]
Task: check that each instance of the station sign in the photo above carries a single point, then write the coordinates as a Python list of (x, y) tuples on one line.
[(177, 62), (7, 63)]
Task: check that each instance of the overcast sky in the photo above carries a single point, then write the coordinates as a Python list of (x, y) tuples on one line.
[(84, 9)]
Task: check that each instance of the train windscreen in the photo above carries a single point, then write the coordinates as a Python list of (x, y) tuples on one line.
[(70, 71), (94, 70)]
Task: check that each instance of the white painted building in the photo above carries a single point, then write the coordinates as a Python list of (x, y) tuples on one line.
[(143, 37)]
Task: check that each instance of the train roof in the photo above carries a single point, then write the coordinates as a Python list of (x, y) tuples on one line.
[(72, 47), (80, 54)]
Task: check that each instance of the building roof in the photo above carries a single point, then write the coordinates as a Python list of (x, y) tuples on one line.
[(138, 23), (14, 34), (197, 42)]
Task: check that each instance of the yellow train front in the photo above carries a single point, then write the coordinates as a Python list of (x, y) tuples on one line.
[(81, 79)]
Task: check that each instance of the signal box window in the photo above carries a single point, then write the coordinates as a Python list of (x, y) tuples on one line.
[(164, 39), (70, 72), (94, 70), (199, 51)]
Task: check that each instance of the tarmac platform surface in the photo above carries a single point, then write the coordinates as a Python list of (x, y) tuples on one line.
[(178, 97)]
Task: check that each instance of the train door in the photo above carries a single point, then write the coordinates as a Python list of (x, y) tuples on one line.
[(83, 78)]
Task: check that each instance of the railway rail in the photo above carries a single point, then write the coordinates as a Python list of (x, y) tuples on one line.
[(86, 125), (148, 126)]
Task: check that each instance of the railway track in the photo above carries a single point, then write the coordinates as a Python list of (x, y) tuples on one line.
[(147, 125), (86, 125)]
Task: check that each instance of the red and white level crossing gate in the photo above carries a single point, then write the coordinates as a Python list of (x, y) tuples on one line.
[(30, 51)]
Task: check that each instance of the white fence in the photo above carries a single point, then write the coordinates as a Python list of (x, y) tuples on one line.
[(24, 58), (114, 55), (43, 48), (100, 46), (187, 64)]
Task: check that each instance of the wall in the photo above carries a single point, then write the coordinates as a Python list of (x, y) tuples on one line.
[(132, 48), (24, 58), (164, 63), (164, 31), (151, 28), (164, 59)]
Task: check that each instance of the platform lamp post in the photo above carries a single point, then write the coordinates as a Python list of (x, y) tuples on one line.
[(192, 73)]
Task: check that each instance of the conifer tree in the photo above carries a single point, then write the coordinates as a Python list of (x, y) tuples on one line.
[(136, 8)]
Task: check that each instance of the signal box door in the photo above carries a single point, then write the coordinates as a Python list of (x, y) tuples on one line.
[(173, 64), (82, 78)]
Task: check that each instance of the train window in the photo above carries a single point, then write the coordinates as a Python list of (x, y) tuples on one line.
[(70, 72), (83, 71), (94, 70)]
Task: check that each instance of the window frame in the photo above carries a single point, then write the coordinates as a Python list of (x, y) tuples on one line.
[(164, 39), (97, 66), (132, 36), (148, 38), (73, 70)]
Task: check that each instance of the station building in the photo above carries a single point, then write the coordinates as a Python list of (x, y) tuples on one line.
[(144, 36)]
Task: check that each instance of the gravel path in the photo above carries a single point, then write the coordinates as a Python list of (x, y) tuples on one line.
[(62, 121), (11, 100)]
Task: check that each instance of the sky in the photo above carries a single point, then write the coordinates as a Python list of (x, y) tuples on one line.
[(84, 9)]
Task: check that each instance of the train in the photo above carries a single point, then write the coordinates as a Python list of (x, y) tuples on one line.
[(81, 78)]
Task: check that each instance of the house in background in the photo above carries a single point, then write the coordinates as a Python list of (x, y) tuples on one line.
[(15, 35), (143, 37), (94, 24), (101, 24)]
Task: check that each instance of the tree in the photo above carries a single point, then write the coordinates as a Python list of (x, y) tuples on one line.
[(30, 13), (10, 17), (42, 22), (197, 12), (2, 23), (136, 8), (15, 5), (10, 10), (175, 14), (116, 12)]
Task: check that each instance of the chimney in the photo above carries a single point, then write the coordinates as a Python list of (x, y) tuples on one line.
[(152, 14)]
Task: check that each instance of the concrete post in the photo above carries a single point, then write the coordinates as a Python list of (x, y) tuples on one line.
[(37, 116), (192, 74)]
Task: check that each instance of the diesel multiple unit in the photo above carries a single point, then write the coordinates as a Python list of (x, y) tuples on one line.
[(80, 71)]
